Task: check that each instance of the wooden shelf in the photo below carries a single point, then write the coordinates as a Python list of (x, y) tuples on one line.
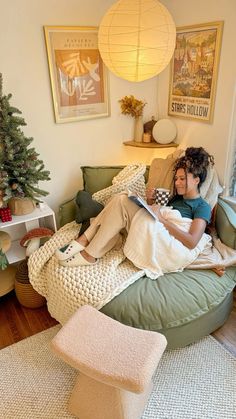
[(42, 216), (149, 145)]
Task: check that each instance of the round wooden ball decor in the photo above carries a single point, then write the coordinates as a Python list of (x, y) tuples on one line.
[(164, 131), (5, 241)]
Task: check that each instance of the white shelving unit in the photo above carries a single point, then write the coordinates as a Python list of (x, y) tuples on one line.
[(42, 216)]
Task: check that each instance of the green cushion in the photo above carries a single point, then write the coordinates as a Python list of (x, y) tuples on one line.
[(86, 207), (171, 301), (96, 178), (226, 223)]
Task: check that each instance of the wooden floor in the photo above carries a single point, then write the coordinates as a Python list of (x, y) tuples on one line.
[(18, 322)]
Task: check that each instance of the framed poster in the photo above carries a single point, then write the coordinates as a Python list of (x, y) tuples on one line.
[(194, 68), (78, 76)]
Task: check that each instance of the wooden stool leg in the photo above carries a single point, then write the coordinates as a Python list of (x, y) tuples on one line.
[(92, 399)]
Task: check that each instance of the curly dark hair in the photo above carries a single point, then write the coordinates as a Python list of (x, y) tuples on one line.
[(196, 161)]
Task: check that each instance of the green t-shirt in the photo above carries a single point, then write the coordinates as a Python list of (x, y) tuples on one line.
[(191, 208)]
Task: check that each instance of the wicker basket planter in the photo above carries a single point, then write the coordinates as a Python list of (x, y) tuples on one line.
[(21, 206), (25, 293)]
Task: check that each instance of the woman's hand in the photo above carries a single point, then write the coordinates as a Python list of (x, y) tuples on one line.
[(191, 238), (156, 208), (150, 195)]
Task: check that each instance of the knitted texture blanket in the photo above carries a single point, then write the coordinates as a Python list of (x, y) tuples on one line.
[(131, 177), (66, 289)]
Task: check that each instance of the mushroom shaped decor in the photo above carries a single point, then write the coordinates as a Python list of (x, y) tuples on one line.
[(136, 39), (31, 240)]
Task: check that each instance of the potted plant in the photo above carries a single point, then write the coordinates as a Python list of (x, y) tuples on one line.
[(20, 167), (134, 107)]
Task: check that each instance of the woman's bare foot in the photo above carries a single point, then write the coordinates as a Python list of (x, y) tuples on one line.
[(83, 240), (219, 271)]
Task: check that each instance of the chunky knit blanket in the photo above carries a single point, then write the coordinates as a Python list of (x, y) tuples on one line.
[(131, 177), (67, 289)]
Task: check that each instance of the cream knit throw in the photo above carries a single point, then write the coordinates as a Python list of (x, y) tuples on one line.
[(67, 289), (131, 177)]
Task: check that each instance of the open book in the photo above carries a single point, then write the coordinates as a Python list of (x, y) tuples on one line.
[(141, 203)]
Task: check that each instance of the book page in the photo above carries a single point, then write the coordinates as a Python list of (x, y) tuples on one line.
[(138, 200)]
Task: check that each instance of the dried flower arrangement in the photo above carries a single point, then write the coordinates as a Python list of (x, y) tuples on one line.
[(131, 106)]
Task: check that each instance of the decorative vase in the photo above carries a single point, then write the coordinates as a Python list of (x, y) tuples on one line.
[(21, 206), (138, 129), (148, 127)]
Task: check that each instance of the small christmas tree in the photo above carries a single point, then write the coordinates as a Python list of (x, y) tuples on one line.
[(20, 168)]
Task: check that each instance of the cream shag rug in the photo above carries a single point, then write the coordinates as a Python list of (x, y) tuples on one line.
[(195, 382)]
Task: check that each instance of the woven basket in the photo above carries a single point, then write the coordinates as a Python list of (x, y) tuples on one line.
[(26, 294), (21, 206)]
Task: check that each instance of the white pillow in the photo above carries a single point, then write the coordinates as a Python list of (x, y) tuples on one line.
[(211, 188)]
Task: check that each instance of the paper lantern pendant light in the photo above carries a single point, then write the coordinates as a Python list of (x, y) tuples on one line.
[(136, 39)]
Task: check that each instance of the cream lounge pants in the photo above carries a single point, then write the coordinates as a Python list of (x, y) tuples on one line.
[(104, 231)]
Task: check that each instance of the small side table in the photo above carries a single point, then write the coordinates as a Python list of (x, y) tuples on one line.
[(42, 216)]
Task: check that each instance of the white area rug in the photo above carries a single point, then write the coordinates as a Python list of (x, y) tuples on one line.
[(191, 383)]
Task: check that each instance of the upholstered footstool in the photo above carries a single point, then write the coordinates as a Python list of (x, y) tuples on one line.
[(115, 362)]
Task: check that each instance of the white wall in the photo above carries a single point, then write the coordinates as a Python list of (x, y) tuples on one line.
[(214, 137), (65, 147)]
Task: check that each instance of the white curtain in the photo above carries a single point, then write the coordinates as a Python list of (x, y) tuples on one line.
[(232, 188)]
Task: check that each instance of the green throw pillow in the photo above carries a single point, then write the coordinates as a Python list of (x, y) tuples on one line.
[(86, 207)]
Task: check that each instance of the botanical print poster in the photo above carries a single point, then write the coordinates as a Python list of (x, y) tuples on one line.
[(78, 75), (194, 71)]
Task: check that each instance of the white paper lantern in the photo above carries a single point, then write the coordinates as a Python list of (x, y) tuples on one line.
[(136, 39)]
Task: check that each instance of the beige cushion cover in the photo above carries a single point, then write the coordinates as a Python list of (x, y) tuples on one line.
[(108, 351), (93, 399), (161, 172)]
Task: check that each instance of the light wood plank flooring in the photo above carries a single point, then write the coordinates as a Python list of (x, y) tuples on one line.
[(18, 322)]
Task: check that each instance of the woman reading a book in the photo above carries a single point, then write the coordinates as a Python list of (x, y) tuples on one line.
[(104, 232)]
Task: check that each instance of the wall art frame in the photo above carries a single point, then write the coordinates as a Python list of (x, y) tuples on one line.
[(194, 71), (79, 79)]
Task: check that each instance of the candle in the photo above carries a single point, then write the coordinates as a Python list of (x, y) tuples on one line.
[(147, 137)]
